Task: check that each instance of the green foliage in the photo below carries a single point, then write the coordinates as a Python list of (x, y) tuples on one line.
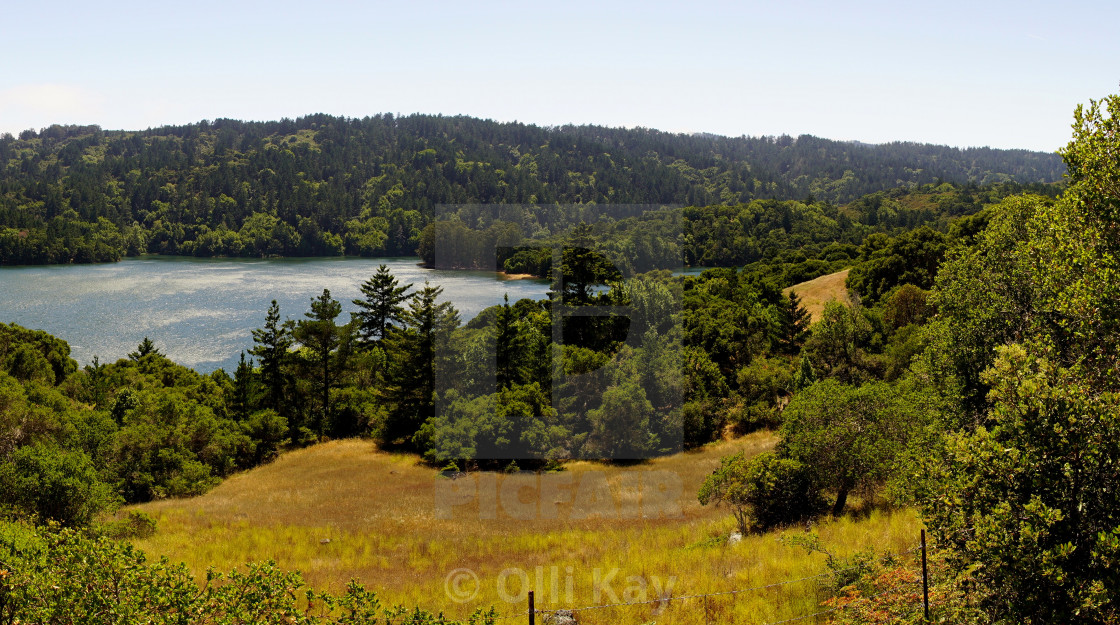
[(268, 432), (839, 343), (1090, 158), (163, 447), (1026, 507), (906, 305), (622, 424), (325, 186), (25, 351), (986, 297), (271, 345), (911, 258), (793, 324), (325, 353), (1020, 491), (138, 429), (705, 393), (417, 348), (145, 348), (728, 318), (515, 422), (53, 575), (764, 491), (536, 261), (53, 483), (381, 306), (763, 385), (851, 437)]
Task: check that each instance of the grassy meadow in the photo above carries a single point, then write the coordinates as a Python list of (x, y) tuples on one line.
[(390, 525)]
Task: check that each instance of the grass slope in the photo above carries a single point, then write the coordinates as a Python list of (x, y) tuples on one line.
[(817, 292), (381, 513)]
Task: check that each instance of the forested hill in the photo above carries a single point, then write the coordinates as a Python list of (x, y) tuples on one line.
[(323, 185)]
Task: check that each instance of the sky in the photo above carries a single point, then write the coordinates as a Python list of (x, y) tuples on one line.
[(1005, 75)]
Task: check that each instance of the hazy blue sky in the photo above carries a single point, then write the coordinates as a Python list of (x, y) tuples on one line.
[(958, 73)]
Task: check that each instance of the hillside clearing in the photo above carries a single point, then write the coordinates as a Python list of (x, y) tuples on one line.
[(817, 292)]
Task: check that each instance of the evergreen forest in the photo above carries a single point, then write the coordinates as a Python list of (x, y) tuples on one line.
[(327, 186)]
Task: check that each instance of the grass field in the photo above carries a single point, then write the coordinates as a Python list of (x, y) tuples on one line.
[(401, 530), (817, 292)]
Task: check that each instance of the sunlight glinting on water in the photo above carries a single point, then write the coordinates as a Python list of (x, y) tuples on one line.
[(201, 312)]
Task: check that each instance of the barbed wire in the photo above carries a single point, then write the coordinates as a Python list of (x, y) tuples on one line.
[(844, 607), (669, 599), (683, 597)]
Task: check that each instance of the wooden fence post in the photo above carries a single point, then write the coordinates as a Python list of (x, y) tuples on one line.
[(532, 610), (925, 577)]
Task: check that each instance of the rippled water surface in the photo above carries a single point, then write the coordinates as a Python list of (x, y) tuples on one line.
[(201, 312)]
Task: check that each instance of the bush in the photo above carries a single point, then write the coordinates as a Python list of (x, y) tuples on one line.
[(764, 491), (54, 483), (65, 576), (136, 525)]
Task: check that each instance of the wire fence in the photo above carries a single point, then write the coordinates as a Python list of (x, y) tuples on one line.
[(664, 602)]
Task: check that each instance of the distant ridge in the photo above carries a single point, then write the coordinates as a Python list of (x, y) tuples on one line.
[(306, 184)]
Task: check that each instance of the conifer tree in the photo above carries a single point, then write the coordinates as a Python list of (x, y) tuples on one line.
[(381, 307), (322, 338), (793, 324), (413, 350), (272, 343)]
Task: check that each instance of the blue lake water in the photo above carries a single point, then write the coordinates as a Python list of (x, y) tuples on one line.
[(201, 312)]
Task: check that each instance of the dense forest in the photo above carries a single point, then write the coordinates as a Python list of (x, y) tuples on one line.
[(323, 185)]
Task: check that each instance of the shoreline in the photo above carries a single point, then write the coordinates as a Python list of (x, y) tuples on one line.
[(518, 276)]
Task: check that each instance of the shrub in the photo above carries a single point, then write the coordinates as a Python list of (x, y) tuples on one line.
[(52, 575), (763, 491), (54, 483), (136, 525)]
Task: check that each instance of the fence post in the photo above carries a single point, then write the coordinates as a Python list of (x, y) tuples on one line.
[(925, 577), (532, 610)]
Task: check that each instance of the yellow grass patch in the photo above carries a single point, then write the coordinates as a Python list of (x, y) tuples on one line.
[(391, 525), (817, 292)]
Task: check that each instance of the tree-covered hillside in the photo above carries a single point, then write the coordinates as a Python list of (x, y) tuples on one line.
[(323, 185)]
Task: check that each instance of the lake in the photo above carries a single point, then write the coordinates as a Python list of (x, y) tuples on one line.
[(201, 312)]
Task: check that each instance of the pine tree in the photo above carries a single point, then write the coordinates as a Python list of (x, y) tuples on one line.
[(244, 388), (793, 324), (509, 345), (272, 343), (413, 350), (321, 337), (145, 348), (381, 308)]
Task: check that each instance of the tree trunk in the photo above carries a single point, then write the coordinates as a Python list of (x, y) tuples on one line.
[(741, 518), (841, 500)]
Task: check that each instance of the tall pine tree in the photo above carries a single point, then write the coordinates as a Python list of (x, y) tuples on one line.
[(322, 338), (382, 306), (413, 350), (793, 324), (272, 343)]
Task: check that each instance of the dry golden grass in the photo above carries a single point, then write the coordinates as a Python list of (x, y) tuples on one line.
[(817, 292), (382, 514)]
